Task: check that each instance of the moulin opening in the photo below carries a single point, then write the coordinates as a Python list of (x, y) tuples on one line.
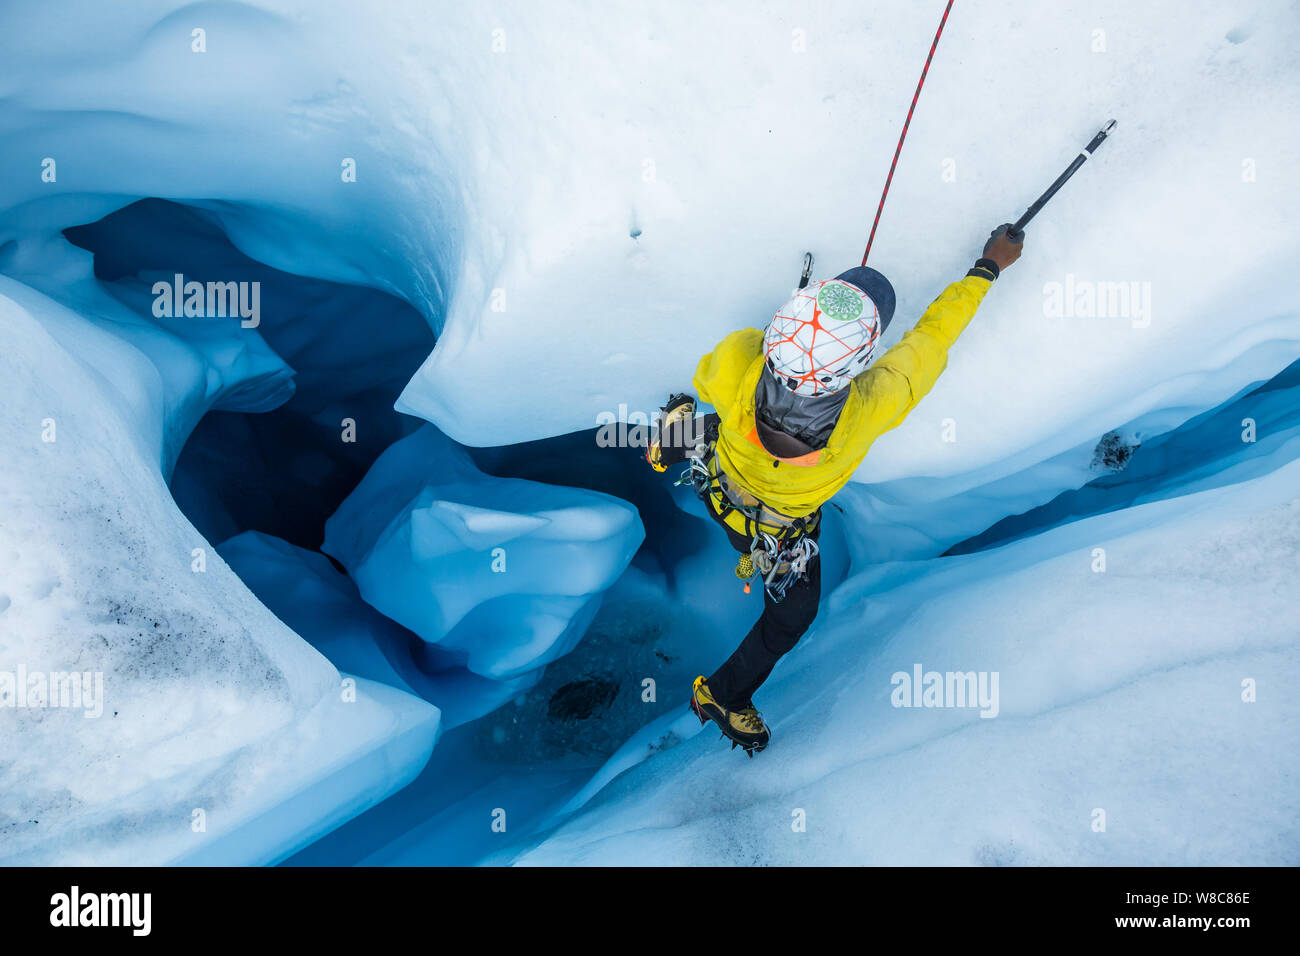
[(352, 349)]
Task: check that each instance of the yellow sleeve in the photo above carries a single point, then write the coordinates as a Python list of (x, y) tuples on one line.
[(900, 378), (717, 377)]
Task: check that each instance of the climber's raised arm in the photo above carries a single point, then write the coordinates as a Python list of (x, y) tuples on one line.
[(901, 377)]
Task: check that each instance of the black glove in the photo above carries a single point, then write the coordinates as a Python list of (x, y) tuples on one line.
[(1001, 248)]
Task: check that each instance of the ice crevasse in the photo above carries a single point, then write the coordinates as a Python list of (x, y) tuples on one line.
[(576, 246)]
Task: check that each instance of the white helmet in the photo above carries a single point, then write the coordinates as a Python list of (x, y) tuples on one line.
[(824, 336)]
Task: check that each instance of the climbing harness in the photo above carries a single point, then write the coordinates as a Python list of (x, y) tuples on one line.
[(781, 546)]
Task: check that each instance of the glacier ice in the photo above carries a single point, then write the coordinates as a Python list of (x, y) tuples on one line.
[(206, 694), (1225, 445), (322, 605), (500, 575), (575, 246)]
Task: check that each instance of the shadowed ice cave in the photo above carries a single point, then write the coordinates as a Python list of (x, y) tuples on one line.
[(281, 472)]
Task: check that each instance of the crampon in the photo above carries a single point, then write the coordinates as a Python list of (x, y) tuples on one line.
[(744, 728)]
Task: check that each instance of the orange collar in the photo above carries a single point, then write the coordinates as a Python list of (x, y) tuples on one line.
[(803, 461)]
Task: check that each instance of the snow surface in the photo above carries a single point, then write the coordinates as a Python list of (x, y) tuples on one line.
[(209, 703), (579, 200)]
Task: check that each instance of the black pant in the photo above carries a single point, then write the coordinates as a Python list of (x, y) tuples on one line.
[(777, 630)]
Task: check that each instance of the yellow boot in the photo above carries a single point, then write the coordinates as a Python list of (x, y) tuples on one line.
[(745, 728)]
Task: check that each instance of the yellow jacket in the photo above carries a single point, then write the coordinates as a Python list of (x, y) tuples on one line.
[(881, 397)]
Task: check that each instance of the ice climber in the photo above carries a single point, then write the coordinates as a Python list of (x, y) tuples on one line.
[(797, 407)]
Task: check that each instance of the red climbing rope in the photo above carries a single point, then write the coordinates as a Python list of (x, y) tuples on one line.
[(906, 123)]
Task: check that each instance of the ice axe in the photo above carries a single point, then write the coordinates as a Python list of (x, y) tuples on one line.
[(1017, 230)]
